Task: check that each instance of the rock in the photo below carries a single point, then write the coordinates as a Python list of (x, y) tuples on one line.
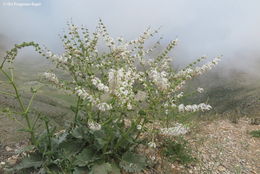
[(8, 149), (12, 160), (221, 168)]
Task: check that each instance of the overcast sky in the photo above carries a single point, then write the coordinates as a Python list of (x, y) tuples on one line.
[(204, 27)]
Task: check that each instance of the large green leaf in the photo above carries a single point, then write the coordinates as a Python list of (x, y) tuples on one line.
[(85, 157), (132, 162), (61, 137), (71, 147), (79, 132), (101, 139), (80, 170), (32, 161), (104, 168), (115, 169)]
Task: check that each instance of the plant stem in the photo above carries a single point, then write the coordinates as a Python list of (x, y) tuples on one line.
[(24, 110), (77, 111), (6, 93), (48, 132)]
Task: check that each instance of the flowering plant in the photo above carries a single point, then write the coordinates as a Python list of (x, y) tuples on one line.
[(121, 90)]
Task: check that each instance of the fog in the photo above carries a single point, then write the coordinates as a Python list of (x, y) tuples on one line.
[(203, 27)]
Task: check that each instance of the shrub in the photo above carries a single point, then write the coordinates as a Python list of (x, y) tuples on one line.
[(122, 90)]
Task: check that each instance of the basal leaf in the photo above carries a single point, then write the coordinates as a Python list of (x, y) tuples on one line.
[(80, 170), (132, 162), (71, 146), (85, 157), (104, 168), (32, 161)]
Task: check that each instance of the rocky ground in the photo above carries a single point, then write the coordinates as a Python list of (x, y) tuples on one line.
[(223, 147)]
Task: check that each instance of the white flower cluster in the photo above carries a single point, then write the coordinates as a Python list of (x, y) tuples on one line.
[(82, 93), (141, 39), (179, 86), (51, 77), (177, 130), (118, 46), (194, 107), (121, 84), (58, 58), (189, 72), (206, 67), (104, 106), (100, 86), (160, 79), (94, 126), (185, 73)]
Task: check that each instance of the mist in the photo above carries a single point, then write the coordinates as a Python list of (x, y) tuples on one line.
[(203, 27)]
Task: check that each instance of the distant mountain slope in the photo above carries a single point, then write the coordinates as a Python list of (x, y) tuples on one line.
[(236, 92)]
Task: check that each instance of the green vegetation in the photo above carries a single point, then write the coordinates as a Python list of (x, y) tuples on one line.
[(177, 150), (255, 133)]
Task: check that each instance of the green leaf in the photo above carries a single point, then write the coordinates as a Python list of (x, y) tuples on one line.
[(115, 169), (255, 133), (71, 146), (33, 161), (78, 132), (73, 108), (80, 170), (101, 139), (62, 137), (142, 112), (24, 130), (6, 110), (85, 157), (104, 168), (132, 162)]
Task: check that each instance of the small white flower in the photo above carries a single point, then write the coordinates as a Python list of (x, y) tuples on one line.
[(97, 82), (160, 79), (204, 107), (94, 126), (152, 158), (200, 90), (152, 144), (181, 108), (173, 105), (51, 77), (104, 106), (180, 95), (139, 127), (129, 106), (188, 108)]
